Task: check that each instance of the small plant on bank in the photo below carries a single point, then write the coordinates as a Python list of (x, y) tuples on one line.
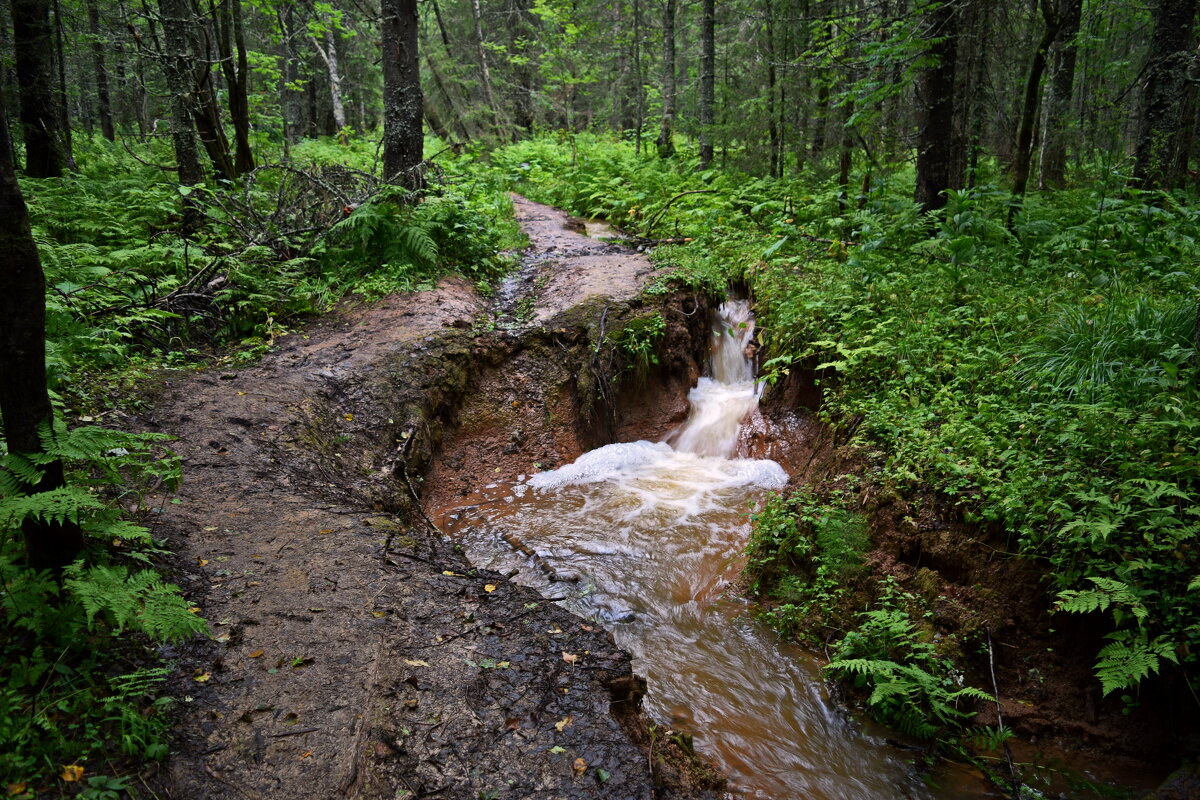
[(638, 341), (806, 555), (908, 684)]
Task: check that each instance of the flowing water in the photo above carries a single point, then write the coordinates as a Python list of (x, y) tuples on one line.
[(646, 537)]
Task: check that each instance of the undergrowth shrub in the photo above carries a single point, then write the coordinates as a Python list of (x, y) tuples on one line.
[(68, 698), (1042, 376)]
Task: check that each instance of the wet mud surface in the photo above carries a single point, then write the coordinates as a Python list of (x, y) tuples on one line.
[(354, 651)]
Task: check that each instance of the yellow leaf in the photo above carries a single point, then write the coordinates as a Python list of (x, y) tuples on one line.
[(491, 587), (349, 417), (580, 766), (255, 654), (194, 610), (201, 561), (570, 658), (202, 677), (307, 754), (72, 773), (325, 531), (562, 723), (16, 788), (378, 614), (416, 662), (447, 572)]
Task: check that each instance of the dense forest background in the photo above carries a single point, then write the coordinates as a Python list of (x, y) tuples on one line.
[(1050, 90), (973, 222)]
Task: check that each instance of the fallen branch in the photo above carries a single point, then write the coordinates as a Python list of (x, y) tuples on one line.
[(658, 214)]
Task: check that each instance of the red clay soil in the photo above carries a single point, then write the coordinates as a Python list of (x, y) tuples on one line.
[(353, 651)]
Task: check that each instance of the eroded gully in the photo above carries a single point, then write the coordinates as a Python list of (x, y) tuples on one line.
[(646, 539)]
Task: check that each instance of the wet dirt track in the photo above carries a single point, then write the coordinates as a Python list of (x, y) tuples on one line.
[(353, 653)]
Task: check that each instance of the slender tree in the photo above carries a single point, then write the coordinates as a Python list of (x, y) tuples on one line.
[(708, 66), (104, 103), (1052, 17), (1159, 140), (666, 136), (1052, 160), (935, 143), (41, 123), (24, 402), (402, 103), (231, 45)]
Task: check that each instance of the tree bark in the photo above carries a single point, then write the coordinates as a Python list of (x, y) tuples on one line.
[(708, 63), (1156, 163), (666, 137), (1052, 161), (176, 67), (33, 45), (328, 54), (60, 63), (103, 100), (935, 141), (231, 45), (402, 106), (205, 107), (485, 74), (24, 401), (1033, 94)]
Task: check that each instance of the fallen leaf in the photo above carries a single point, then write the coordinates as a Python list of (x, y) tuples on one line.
[(201, 561), (512, 723), (378, 614), (315, 609), (580, 766), (14, 789), (325, 531), (349, 417), (570, 658), (222, 638), (587, 628), (449, 572), (562, 723), (602, 775), (194, 610), (255, 654), (416, 662), (211, 528), (491, 587), (556, 750), (202, 677), (72, 773), (306, 754)]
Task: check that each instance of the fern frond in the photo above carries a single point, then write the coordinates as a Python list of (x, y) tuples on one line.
[(140, 601), (1124, 663), (67, 504)]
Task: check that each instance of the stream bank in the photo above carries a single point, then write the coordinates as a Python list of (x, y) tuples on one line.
[(355, 652)]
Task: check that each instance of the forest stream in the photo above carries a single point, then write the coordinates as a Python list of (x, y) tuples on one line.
[(646, 539)]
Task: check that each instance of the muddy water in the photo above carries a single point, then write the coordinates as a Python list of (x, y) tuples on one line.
[(646, 538)]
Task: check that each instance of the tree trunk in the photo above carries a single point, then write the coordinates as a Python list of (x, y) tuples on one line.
[(1156, 164), (177, 69), (1052, 161), (522, 27), (328, 54), (935, 140), (231, 45), (1033, 93), (102, 95), (772, 122), (708, 63), (666, 137), (33, 45), (60, 61), (204, 96), (485, 75), (402, 135), (24, 401)]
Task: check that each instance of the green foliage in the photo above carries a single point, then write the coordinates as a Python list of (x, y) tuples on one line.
[(1042, 378), (806, 555), (910, 686), (638, 341), (67, 696)]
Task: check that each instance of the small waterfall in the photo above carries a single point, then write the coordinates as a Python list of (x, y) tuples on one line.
[(720, 403), (650, 535)]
